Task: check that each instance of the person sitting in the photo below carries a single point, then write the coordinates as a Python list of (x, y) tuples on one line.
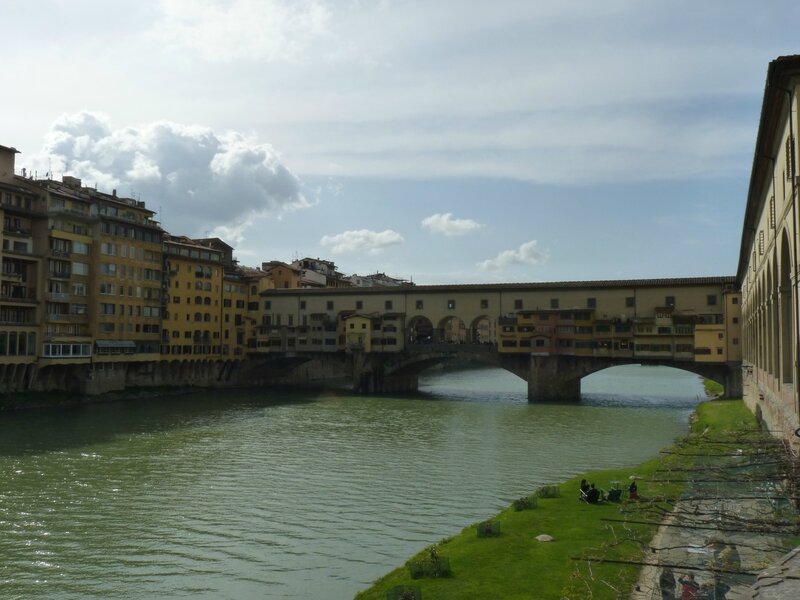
[(593, 495), (584, 489), (633, 491)]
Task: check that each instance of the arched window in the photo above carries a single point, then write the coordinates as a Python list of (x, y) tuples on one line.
[(198, 300), (207, 301), (198, 317)]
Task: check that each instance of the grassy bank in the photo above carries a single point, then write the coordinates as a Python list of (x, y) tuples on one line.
[(514, 565), (713, 389)]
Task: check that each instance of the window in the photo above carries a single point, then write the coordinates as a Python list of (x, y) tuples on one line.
[(329, 305), (772, 212), (735, 341), (591, 303), (302, 304), (553, 302), (518, 304), (711, 300), (735, 320), (451, 304), (419, 304), (484, 303), (388, 305), (735, 300), (79, 268), (630, 301), (669, 301), (359, 304), (267, 305)]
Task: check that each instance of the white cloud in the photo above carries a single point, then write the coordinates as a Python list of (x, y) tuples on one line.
[(445, 223), (361, 240), (527, 254), (198, 181), (251, 30)]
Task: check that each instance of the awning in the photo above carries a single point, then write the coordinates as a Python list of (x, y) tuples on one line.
[(115, 344)]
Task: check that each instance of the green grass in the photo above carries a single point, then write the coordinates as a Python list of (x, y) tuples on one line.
[(713, 389), (515, 565)]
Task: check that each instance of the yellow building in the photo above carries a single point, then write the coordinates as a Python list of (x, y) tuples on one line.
[(768, 259), (358, 332), (192, 324), (282, 275), (126, 266)]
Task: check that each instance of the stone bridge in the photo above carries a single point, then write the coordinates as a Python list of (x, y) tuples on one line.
[(550, 378), (549, 334)]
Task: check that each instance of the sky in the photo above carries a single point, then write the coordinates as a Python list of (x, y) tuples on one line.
[(443, 141)]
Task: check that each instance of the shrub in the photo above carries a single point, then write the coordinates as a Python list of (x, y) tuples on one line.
[(404, 592), (549, 491), (488, 529), (429, 565), (526, 503)]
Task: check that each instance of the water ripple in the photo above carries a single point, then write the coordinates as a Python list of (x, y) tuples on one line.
[(241, 496)]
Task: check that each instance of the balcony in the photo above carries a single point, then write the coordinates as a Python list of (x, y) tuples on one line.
[(59, 274), (17, 231), (19, 295), (60, 253), (67, 318), (58, 297)]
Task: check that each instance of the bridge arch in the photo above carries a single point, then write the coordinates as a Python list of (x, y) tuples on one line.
[(420, 330), (451, 330), (481, 330)]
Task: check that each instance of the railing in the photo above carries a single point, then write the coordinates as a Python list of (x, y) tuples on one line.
[(71, 211), (26, 295), (60, 253), (67, 317), (58, 296), (16, 231)]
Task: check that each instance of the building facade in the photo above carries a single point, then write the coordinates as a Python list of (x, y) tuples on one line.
[(768, 269)]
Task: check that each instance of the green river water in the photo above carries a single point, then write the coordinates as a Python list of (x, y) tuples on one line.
[(276, 494)]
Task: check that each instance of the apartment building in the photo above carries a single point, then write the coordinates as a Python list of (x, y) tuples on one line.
[(24, 217), (193, 321)]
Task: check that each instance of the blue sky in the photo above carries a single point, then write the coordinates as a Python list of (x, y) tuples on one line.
[(444, 141)]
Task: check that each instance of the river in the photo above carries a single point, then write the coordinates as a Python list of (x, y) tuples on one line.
[(276, 494)]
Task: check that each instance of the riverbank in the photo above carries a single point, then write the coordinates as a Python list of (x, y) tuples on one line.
[(63, 398), (597, 551)]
